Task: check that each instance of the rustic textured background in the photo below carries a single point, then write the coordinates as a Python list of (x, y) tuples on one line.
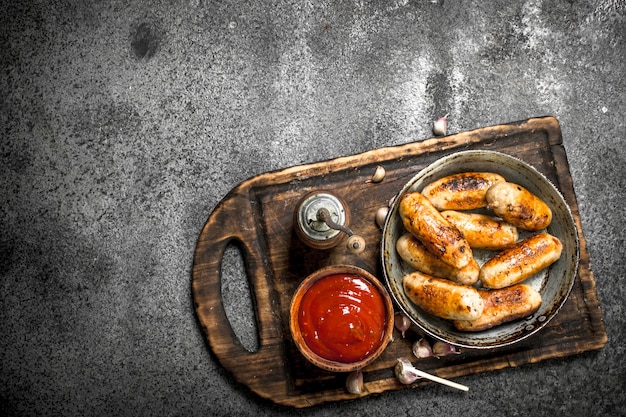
[(123, 124)]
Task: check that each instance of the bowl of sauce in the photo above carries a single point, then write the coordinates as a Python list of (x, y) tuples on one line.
[(341, 318)]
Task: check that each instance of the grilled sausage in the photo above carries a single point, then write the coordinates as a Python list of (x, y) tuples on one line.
[(519, 262), (518, 206), (482, 231), (415, 254), (426, 223), (443, 298), (502, 306), (463, 191)]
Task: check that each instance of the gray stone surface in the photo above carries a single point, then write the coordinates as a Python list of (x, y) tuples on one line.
[(123, 124)]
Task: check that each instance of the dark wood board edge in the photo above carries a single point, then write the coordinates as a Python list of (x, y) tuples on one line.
[(222, 229), (585, 272), (412, 149), (206, 298)]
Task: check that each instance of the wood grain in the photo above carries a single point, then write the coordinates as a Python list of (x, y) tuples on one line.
[(257, 217)]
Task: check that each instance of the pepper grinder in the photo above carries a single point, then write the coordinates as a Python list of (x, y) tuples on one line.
[(319, 219)]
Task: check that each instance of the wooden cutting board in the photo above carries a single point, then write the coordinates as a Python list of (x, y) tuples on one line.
[(257, 217)]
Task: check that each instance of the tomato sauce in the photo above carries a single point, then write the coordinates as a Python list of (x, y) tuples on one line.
[(342, 318)]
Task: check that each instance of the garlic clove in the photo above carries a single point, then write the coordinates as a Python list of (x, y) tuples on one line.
[(440, 126), (381, 216), (354, 382), (401, 322), (355, 244), (379, 175), (422, 349), (443, 349), (405, 372)]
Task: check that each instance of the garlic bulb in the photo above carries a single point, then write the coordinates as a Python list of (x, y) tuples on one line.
[(421, 349), (402, 322), (440, 126), (354, 382), (405, 372), (443, 349)]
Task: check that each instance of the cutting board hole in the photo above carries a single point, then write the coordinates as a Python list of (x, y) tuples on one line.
[(238, 299)]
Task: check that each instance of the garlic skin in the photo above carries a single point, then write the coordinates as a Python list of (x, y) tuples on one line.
[(381, 216), (405, 372), (401, 322), (354, 382), (444, 349), (422, 349), (440, 126)]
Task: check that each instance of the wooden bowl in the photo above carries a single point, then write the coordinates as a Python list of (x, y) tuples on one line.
[(351, 313)]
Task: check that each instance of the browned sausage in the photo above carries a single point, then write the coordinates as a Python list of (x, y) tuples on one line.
[(519, 262), (502, 306), (518, 206), (463, 191), (482, 231), (427, 224), (414, 253), (443, 298)]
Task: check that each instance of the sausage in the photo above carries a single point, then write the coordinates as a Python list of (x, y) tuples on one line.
[(443, 298), (482, 231), (427, 224), (502, 306), (415, 254), (463, 191), (518, 206), (519, 262)]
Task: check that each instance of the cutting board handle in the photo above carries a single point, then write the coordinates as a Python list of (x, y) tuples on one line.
[(234, 221)]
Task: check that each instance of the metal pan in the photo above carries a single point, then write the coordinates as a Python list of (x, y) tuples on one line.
[(554, 283)]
